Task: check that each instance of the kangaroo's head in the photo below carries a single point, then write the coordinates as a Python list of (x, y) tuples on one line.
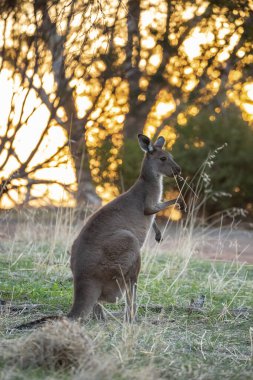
[(158, 161)]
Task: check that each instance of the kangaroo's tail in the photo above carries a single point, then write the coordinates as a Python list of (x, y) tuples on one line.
[(38, 322)]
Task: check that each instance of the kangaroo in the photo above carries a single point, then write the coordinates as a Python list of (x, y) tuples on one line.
[(105, 257)]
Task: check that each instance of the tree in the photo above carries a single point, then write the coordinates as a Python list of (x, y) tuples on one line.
[(30, 59), (163, 81), (24, 73), (120, 68)]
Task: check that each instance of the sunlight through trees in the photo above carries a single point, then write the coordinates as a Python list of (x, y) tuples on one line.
[(79, 79)]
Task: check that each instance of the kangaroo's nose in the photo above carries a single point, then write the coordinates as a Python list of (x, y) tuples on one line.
[(177, 170)]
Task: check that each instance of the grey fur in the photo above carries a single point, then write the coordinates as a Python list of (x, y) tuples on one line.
[(105, 257)]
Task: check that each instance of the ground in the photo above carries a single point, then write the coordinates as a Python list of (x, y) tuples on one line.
[(222, 243), (172, 339)]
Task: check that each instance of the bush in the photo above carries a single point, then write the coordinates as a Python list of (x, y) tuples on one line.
[(231, 171)]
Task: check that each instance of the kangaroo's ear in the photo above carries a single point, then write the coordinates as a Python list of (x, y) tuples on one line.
[(145, 143), (160, 142)]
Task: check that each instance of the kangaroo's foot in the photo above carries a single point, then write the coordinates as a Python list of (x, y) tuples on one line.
[(98, 313), (86, 294)]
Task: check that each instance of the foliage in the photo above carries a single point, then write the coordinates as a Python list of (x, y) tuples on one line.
[(230, 168)]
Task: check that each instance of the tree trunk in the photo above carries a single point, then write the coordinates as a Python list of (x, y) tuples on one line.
[(134, 123), (86, 194), (131, 68), (75, 127)]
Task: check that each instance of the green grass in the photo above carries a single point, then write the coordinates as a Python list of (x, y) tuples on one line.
[(174, 344)]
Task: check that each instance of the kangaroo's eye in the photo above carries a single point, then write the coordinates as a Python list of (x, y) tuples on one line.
[(163, 158)]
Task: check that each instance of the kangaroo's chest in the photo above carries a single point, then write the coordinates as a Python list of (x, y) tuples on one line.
[(153, 194), (141, 229), (152, 197)]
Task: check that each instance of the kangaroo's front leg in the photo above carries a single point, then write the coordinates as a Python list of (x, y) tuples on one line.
[(158, 235), (162, 206)]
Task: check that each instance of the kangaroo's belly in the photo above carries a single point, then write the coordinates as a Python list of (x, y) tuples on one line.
[(141, 230)]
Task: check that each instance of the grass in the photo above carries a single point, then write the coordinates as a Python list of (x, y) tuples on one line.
[(214, 343)]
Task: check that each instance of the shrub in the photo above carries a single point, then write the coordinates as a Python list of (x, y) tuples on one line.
[(232, 166)]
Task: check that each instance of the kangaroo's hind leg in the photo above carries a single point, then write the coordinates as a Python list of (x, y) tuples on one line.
[(86, 295), (98, 313), (122, 253)]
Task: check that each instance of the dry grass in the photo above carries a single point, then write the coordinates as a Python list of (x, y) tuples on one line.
[(61, 345), (169, 345), (64, 349)]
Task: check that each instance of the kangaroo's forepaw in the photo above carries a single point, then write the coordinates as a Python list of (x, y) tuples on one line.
[(181, 205), (158, 237)]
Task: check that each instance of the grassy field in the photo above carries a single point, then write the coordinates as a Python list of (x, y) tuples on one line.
[(169, 341)]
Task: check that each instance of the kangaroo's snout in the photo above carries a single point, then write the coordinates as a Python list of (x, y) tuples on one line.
[(176, 170)]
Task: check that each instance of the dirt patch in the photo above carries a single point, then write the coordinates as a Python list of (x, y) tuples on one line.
[(227, 244), (219, 244)]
